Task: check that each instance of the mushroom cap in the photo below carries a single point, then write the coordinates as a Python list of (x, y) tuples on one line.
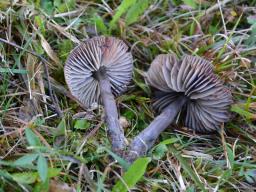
[(192, 77), (98, 53)]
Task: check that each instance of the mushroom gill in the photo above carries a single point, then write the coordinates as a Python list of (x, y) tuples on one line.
[(190, 85), (192, 77), (97, 70), (94, 58)]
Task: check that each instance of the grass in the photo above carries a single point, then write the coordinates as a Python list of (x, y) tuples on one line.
[(41, 151)]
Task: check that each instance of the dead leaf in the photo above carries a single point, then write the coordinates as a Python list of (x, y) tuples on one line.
[(56, 186), (49, 50), (244, 62), (63, 32), (253, 105)]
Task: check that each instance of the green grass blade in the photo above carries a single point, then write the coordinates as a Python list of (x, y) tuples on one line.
[(125, 5), (133, 175)]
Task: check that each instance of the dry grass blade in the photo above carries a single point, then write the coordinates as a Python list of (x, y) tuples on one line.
[(49, 51)]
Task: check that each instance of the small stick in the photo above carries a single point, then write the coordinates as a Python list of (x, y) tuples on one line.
[(144, 141), (45, 62)]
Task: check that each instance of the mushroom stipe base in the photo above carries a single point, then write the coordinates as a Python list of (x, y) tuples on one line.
[(145, 140), (114, 129), (96, 70), (101, 67)]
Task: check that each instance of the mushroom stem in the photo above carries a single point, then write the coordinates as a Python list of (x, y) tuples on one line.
[(144, 141), (115, 132)]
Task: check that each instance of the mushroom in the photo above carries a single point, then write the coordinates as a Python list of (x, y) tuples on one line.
[(97, 70), (187, 85)]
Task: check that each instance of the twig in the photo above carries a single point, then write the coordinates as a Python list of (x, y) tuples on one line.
[(216, 6), (87, 136), (60, 89), (45, 62), (84, 171), (222, 17), (224, 146)]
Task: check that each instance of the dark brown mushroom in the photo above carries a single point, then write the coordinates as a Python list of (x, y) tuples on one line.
[(188, 85), (96, 71)]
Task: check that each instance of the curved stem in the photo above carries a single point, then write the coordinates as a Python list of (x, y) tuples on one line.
[(144, 141), (115, 131)]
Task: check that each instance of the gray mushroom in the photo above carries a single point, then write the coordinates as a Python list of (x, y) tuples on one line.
[(188, 85), (96, 71)]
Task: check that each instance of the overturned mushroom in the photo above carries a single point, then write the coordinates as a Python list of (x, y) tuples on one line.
[(188, 85), (94, 70)]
